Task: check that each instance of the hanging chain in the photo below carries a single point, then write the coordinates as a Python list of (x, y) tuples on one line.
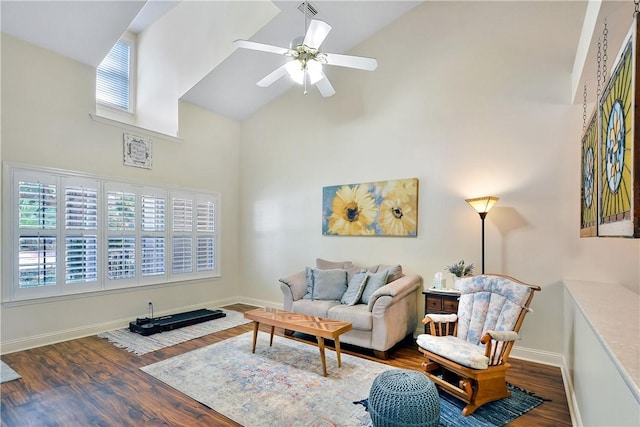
[(637, 7), (584, 109), (599, 75), (605, 31)]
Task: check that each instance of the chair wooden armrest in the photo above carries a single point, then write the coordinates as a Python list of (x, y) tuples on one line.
[(441, 324), (499, 353)]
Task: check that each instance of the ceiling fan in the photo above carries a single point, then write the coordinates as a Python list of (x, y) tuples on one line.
[(307, 59)]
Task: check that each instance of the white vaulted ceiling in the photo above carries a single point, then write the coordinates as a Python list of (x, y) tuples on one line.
[(85, 30)]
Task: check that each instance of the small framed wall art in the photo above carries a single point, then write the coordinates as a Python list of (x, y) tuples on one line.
[(138, 151)]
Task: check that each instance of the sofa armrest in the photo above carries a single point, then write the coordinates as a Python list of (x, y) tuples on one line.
[(397, 289), (297, 284)]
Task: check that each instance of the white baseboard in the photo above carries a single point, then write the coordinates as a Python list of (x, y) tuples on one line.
[(574, 409), (21, 344), (537, 356)]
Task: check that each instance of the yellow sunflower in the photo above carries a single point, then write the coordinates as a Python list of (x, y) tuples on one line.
[(397, 215), (353, 211), (403, 189)]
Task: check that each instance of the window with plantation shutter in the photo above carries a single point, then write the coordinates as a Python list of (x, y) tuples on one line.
[(205, 254), (38, 260), (182, 211), (121, 226), (121, 258), (37, 236), (70, 233), (121, 211), (152, 242), (181, 259), (81, 227), (153, 255), (205, 220), (37, 205), (152, 212), (113, 77), (81, 259)]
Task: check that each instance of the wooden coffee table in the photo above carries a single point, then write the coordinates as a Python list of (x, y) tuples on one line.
[(320, 327)]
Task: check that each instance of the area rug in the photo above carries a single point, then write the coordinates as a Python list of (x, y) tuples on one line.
[(7, 374), (138, 344), (283, 385)]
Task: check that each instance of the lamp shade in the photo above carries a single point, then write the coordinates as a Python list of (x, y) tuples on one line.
[(483, 204)]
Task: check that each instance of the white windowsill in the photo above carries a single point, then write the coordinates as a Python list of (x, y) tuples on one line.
[(133, 128)]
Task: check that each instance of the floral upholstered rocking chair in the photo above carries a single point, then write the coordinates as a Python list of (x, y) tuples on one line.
[(467, 353)]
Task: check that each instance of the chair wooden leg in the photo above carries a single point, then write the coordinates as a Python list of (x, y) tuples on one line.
[(486, 390)]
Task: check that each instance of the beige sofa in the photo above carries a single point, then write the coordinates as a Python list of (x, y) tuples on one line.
[(381, 316)]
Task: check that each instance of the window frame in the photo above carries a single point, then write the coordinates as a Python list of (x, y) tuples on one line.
[(13, 174)]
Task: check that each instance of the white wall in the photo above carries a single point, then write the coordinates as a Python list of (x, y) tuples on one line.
[(462, 101), (46, 100)]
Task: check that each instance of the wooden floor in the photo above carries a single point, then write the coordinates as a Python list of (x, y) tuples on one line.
[(89, 381)]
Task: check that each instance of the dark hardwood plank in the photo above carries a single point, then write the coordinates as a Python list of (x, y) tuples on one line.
[(89, 381)]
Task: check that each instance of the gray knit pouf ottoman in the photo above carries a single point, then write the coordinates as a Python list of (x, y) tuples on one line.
[(403, 398)]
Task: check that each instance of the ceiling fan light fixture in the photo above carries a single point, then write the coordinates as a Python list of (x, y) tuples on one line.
[(314, 68), (295, 71)]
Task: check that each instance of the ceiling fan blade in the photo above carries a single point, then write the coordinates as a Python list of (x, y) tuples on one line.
[(247, 44), (316, 33), (325, 87), (360, 62), (273, 76)]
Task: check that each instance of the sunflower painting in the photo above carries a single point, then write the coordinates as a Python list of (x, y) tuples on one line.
[(385, 208)]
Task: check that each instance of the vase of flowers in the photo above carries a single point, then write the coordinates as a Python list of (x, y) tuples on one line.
[(460, 270)]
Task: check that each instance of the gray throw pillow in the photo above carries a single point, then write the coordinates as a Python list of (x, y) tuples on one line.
[(329, 284), (309, 273), (323, 264), (355, 288), (374, 282)]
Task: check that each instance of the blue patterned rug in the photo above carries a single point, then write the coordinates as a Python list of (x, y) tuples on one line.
[(283, 385)]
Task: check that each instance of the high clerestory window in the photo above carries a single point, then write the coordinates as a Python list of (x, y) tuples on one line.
[(114, 76)]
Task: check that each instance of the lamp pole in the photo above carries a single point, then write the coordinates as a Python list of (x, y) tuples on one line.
[(482, 216)]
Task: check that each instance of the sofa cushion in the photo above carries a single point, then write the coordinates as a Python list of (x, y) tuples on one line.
[(358, 315), (323, 264), (374, 282), (313, 308), (354, 288)]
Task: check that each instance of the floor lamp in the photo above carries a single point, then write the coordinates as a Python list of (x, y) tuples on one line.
[(483, 205)]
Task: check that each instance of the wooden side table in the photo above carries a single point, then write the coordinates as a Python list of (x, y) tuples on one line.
[(440, 302)]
